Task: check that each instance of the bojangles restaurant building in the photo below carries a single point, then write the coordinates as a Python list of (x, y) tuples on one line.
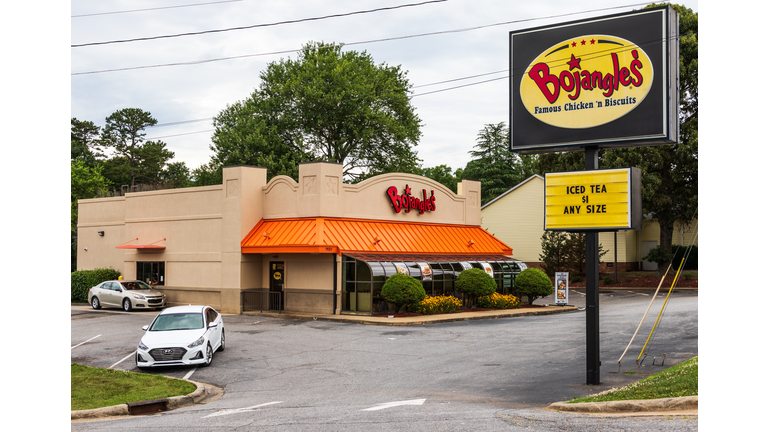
[(316, 246)]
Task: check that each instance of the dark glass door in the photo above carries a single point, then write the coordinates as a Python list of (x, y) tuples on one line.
[(276, 284)]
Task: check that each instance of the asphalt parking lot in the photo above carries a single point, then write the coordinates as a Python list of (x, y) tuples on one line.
[(296, 374)]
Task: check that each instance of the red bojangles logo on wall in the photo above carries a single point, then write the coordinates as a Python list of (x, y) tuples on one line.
[(586, 81), (408, 202)]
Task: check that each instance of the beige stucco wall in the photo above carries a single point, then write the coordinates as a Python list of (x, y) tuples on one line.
[(202, 227), (321, 193)]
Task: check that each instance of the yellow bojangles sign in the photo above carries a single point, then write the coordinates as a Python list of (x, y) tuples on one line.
[(604, 78), (592, 200)]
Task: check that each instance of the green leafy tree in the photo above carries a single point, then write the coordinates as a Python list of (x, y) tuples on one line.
[(494, 166), (135, 159), (176, 175), (562, 251), (670, 173), (83, 139), (207, 175), (328, 104), (533, 283), (442, 174), (554, 255), (86, 182)]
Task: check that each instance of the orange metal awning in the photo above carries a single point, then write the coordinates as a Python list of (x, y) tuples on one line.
[(140, 246), (338, 235)]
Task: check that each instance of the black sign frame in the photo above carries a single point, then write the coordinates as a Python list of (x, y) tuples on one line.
[(654, 122)]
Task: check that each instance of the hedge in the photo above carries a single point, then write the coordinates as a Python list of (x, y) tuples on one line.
[(83, 280)]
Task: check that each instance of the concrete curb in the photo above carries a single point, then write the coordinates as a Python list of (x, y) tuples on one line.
[(168, 404), (666, 405), (424, 319)]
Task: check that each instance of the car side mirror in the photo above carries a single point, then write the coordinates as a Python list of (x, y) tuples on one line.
[(145, 327), (212, 325)]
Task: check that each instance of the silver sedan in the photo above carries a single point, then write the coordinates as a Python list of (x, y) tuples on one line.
[(126, 294)]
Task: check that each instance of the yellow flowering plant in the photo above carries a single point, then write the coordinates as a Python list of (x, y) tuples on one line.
[(498, 301), (436, 305)]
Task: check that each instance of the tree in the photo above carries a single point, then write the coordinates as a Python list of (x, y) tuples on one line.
[(494, 165), (86, 182), (176, 175), (442, 174), (83, 140), (326, 105), (134, 158), (561, 251), (670, 173)]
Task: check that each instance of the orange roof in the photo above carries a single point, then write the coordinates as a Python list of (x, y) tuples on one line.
[(338, 235)]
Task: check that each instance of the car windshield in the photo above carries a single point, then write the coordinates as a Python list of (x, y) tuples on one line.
[(135, 285), (178, 321)]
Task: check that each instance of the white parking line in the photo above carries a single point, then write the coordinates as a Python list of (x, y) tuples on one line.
[(124, 359), (240, 410), (189, 374), (638, 293), (84, 342), (394, 404)]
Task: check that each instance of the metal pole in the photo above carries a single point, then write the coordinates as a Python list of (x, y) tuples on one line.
[(593, 290), (615, 258)]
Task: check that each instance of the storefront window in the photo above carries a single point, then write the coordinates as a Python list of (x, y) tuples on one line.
[(151, 272), (364, 279)]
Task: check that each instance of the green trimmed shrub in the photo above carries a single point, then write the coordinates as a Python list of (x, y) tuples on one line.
[(83, 280), (401, 289), (475, 282), (533, 283)]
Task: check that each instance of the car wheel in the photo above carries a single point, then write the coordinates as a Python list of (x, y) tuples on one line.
[(208, 355), (221, 346), (127, 305), (95, 303)]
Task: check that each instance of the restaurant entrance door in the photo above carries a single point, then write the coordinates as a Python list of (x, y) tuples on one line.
[(276, 285)]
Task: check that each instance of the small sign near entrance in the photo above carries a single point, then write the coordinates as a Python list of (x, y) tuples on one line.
[(561, 288)]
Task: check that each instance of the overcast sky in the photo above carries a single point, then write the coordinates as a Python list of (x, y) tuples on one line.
[(190, 92)]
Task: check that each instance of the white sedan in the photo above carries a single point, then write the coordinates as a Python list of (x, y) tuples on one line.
[(181, 336)]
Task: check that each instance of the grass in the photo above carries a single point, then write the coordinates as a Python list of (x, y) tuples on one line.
[(96, 388), (679, 380)]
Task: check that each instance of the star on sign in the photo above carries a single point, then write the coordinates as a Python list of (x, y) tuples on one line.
[(575, 63)]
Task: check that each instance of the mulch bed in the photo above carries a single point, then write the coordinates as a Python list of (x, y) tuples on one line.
[(409, 314)]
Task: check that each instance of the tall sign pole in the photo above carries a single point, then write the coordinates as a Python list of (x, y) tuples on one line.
[(593, 288), (604, 82)]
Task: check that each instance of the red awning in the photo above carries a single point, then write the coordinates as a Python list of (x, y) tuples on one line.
[(140, 246)]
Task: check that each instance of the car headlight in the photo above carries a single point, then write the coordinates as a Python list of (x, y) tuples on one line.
[(142, 346), (197, 342), (138, 296)]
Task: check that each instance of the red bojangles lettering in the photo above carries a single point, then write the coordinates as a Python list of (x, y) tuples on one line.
[(407, 202), (576, 81)]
